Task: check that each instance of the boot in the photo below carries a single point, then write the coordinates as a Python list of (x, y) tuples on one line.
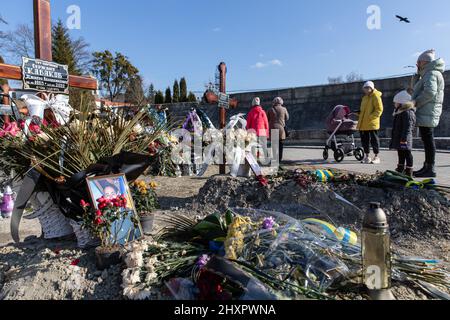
[(429, 172), (409, 172), (400, 168), (421, 170)]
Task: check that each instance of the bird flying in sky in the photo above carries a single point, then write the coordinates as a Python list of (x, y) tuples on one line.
[(402, 19)]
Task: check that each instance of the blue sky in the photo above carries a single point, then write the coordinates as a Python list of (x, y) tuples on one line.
[(266, 43)]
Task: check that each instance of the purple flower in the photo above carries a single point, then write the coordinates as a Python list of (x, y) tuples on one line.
[(268, 223), (203, 261)]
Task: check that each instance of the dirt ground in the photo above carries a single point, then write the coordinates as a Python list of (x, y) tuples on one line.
[(39, 269)]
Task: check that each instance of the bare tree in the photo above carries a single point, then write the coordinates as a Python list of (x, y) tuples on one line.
[(18, 43), (335, 80), (354, 77), (83, 56)]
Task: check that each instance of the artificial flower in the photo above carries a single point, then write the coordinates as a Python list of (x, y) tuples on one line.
[(203, 261), (268, 223)]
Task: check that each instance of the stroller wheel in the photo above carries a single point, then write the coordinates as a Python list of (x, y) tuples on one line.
[(339, 155), (326, 154), (359, 154)]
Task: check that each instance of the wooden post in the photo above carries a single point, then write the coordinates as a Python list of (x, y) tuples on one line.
[(222, 111), (5, 101), (42, 30), (43, 47)]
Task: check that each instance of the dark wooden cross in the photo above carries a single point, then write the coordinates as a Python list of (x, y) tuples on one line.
[(43, 49)]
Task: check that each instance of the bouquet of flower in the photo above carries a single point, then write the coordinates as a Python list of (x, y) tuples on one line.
[(99, 221), (150, 264), (277, 254), (144, 196)]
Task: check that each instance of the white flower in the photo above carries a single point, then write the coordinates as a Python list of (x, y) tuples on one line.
[(144, 295), (137, 129), (138, 246), (131, 277), (151, 263), (130, 292), (135, 259), (151, 277)]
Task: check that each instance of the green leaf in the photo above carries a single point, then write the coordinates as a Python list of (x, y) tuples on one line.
[(229, 216)]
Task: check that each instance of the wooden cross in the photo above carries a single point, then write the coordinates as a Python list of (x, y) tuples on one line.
[(43, 49)]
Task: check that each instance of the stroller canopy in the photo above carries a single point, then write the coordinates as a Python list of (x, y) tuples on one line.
[(340, 116)]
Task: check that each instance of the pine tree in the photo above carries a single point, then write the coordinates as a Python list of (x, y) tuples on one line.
[(168, 96), (134, 93), (183, 90), (176, 92), (151, 93), (159, 97), (62, 48), (192, 97)]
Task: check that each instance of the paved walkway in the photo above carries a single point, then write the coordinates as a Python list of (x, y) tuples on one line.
[(311, 156)]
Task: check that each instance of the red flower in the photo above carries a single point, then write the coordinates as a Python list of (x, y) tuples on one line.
[(34, 128), (98, 221), (102, 200), (98, 214), (263, 181), (211, 288), (102, 206), (75, 262), (85, 204)]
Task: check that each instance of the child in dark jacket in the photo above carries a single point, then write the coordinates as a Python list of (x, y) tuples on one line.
[(402, 132)]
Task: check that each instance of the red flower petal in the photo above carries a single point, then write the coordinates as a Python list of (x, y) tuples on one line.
[(75, 262)]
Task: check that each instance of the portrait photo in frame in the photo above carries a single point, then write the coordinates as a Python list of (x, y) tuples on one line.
[(111, 186)]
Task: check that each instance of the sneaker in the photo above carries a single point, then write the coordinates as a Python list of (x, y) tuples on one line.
[(366, 160), (376, 160)]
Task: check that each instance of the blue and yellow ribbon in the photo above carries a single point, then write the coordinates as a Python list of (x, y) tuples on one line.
[(340, 234), (324, 175)]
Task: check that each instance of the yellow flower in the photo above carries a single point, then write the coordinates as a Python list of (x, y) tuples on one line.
[(153, 185)]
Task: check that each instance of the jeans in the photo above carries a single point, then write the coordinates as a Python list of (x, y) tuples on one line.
[(370, 138), (405, 157), (427, 135)]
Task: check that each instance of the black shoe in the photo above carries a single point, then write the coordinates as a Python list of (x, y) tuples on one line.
[(429, 172), (408, 172), (421, 170), (400, 169)]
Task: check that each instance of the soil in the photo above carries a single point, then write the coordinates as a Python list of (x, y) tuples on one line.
[(37, 269)]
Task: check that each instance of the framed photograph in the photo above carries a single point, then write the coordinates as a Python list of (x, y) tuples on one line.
[(110, 187)]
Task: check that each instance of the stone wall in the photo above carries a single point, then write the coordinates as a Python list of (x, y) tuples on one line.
[(309, 106)]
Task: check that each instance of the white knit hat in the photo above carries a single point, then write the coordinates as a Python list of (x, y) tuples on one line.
[(402, 97), (256, 102), (278, 101), (369, 84), (428, 56)]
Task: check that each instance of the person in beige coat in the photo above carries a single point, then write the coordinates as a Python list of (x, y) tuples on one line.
[(278, 116)]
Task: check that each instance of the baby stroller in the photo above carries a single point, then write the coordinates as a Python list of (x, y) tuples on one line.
[(342, 130)]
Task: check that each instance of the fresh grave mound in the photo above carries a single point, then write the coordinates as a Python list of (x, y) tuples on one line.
[(412, 213), (42, 270)]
